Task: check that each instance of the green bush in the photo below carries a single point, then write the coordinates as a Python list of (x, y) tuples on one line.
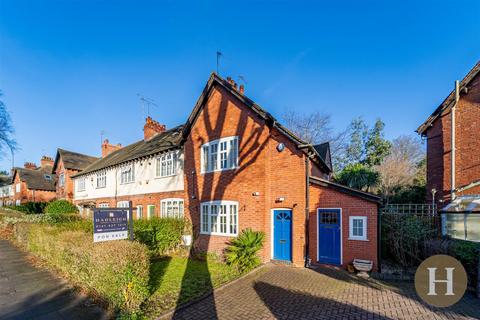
[(115, 271), (243, 250), (60, 207), (30, 207), (161, 235)]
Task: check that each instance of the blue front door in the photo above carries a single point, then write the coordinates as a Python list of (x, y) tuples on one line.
[(282, 234), (329, 236)]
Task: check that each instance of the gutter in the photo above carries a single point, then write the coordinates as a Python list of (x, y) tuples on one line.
[(307, 205)]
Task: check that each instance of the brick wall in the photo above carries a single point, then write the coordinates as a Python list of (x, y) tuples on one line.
[(66, 191), (261, 169), (325, 197), (467, 146), (26, 194)]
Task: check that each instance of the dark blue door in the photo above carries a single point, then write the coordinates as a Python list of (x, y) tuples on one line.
[(329, 236), (282, 234)]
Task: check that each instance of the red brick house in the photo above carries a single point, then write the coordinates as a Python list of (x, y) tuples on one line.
[(243, 169), (233, 166), (67, 164), (437, 130), (34, 184)]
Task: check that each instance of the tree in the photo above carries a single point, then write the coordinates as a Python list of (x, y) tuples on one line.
[(6, 130), (315, 128), (376, 146), (358, 176), (355, 150), (402, 167)]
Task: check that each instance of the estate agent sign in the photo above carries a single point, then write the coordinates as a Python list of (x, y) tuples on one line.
[(110, 224)]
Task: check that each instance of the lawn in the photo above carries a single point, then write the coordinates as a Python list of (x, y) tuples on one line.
[(175, 280)]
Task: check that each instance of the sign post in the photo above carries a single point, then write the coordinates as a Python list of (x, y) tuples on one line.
[(112, 224), (130, 219)]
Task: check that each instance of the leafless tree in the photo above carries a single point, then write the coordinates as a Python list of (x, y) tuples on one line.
[(316, 128), (400, 167)]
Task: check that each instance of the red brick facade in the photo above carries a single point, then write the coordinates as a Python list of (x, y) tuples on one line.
[(66, 190), (262, 169), (467, 142), (326, 198), (26, 195)]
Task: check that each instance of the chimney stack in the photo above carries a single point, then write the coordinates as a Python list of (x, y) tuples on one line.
[(46, 161), (30, 165), (108, 148), (152, 128), (242, 89)]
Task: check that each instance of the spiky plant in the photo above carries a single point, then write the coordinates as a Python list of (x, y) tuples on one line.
[(242, 251)]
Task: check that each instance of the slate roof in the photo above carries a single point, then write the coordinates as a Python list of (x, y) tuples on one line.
[(73, 160), (262, 113), (323, 151), (162, 142), (36, 179), (351, 191), (447, 104), (5, 180)]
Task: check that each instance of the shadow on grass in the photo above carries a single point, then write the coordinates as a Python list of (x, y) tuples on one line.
[(158, 267), (289, 304)]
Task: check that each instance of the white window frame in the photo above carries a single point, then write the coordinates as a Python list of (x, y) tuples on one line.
[(103, 205), (123, 204), (139, 212), (101, 179), (81, 184), (18, 187), (166, 165), (221, 218), (351, 236), (61, 179), (174, 205), (17, 202), (219, 155), (148, 211), (127, 174)]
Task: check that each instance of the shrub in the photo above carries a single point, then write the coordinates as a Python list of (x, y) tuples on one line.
[(161, 235), (242, 251), (30, 207), (115, 271), (60, 207)]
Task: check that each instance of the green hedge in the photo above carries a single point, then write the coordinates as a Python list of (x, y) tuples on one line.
[(115, 271), (161, 235), (30, 207), (58, 207)]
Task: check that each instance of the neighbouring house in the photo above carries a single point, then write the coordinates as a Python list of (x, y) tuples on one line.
[(148, 172), (66, 164), (437, 130), (6, 191), (453, 165), (32, 183), (233, 166)]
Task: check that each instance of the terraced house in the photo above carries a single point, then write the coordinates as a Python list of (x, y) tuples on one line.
[(233, 166), (32, 183)]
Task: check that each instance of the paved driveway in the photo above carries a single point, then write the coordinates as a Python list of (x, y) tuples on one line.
[(30, 293), (290, 293)]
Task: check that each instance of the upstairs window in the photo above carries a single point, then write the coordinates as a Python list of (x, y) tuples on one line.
[(103, 205), (17, 187), (102, 179), (219, 218), (81, 184), (219, 155), (61, 179), (166, 165), (127, 174), (171, 208)]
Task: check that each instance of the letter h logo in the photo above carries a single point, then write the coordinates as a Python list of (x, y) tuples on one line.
[(432, 281)]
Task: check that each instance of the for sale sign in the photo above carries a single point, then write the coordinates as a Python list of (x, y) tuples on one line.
[(110, 224)]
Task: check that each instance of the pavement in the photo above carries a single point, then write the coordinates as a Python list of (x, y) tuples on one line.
[(282, 292), (28, 292)]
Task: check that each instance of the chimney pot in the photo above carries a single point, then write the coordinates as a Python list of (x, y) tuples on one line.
[(242, 89), (46, 161), (108, 148), (30, 165)]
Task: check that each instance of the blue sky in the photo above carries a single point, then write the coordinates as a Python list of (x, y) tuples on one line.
[(69, 69)]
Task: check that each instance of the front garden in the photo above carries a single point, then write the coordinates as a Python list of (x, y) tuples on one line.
[(142, 278)]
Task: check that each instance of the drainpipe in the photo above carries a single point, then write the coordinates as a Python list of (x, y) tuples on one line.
[(452, 138), (307, 203)]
